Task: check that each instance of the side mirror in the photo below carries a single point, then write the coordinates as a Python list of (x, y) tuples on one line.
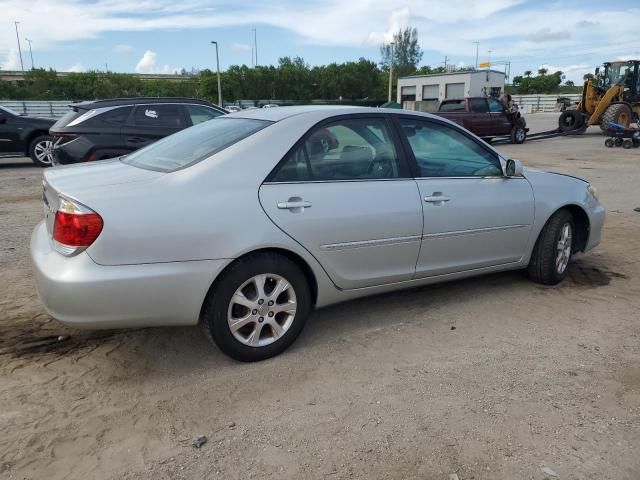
[(513, 168)]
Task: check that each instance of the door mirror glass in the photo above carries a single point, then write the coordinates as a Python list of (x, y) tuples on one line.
[(513, 168)]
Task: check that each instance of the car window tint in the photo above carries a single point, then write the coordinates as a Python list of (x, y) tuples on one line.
[(442, 151), (158, 116), (194, 144), (478, 105), (495, 105), (117, 116), (199, 114), (355, 149), (452, 106)]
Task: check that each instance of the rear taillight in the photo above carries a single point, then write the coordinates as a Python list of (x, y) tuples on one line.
[(75, 227)]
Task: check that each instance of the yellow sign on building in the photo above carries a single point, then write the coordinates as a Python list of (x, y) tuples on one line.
[(484, 65)]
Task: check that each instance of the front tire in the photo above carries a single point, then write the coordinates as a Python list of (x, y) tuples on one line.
[(41, 151), (619, 113), (553, 250), (258, 307), (518, 134)]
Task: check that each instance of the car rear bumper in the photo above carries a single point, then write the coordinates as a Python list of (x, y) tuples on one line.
[(79, 292)]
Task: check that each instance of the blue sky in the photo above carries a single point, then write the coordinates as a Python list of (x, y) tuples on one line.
[(165, 35)]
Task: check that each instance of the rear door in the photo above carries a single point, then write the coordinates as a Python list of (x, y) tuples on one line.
[(9, 138), (345, 194), (500, 121), (152, 122), (474, 216)]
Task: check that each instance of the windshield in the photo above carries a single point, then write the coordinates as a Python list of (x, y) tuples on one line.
[(194, 144), (617, 74), (8, 110)]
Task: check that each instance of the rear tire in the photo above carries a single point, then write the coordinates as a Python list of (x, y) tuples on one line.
[(570, 120), (41, 150), (553, 250), (619, 113), (246, 317), (608, 143)]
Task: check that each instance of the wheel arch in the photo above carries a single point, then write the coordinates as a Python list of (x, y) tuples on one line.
[(581, 223), (30, 138), (294, 257)]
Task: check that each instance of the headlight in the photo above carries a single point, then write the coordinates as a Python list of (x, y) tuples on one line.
[(593, 191)]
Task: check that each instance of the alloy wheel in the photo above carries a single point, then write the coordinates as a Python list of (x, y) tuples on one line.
[(564, 248), (44, 152), (261, 310)]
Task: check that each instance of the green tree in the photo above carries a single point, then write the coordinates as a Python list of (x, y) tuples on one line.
[(569, 83), (527, 73), (543, 71), (588, 76), (407, 53)]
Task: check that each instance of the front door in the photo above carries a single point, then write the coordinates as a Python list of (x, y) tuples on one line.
[(474, 216), (500, 119), (345, 194), (480, 118)]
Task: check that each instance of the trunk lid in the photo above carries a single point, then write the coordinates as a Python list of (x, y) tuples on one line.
[(86, 182)]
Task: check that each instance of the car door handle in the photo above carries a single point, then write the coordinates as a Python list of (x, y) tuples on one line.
[(436, 198), (295, 205), (136, 139)]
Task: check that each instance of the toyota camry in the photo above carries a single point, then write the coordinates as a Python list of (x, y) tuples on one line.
[(248, 222)]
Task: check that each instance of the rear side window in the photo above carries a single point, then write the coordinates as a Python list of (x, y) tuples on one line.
[(452, 106), (68, 117), (117, 116), (478, 105), (198, 114), (167, 116), (194, 144)]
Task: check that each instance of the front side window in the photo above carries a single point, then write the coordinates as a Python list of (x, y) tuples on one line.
[(496, 105), (158, 116), (442, 151), (199, 114), (194, 144), (356, 149)]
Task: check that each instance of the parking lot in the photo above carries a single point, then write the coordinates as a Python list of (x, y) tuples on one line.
[(489, 378)]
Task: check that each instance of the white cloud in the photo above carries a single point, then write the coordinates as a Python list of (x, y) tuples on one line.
[(12, 61), (122, 48), (149, 64), (398, 20), (77, 68), (546, 35), (240, 47)]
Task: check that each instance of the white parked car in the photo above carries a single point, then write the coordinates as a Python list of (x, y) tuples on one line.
[(247, 222)]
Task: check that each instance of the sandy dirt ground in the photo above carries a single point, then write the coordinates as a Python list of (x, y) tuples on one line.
[(489, 378)]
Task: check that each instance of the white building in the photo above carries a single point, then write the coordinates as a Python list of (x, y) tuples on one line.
[(425, 92)]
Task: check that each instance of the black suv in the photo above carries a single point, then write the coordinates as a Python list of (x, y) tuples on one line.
[(25, 136), (110, 128)]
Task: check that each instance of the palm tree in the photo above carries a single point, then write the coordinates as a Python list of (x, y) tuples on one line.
[(542, 71), (527, 73)]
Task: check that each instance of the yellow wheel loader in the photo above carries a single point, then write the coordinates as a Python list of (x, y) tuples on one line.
[(612, 96)]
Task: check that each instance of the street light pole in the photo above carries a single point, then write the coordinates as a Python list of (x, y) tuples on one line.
[(19, 49), (255, 44), (477, 45), (30, 51), (218, 70), (390, 69)]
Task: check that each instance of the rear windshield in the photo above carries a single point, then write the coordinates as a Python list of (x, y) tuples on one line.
[(194, 144), (452, 106), (67, 118)]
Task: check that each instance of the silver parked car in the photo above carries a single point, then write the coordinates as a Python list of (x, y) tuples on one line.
[(249, 221)]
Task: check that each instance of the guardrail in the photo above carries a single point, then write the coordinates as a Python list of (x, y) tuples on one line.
[(38, 108), (542, 103)]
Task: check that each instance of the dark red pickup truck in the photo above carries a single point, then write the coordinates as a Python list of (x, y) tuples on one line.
[(486, 117)]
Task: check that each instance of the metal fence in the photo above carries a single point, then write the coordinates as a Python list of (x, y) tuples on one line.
[(38, 108), (542, 103)]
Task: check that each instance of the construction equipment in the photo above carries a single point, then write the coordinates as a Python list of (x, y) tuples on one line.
[(612, 96)]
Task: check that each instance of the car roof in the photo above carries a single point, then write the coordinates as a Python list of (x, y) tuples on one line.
[(114, 102), (277, 114)]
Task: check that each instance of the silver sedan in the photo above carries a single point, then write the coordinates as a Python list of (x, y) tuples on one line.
[(248, 222)]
